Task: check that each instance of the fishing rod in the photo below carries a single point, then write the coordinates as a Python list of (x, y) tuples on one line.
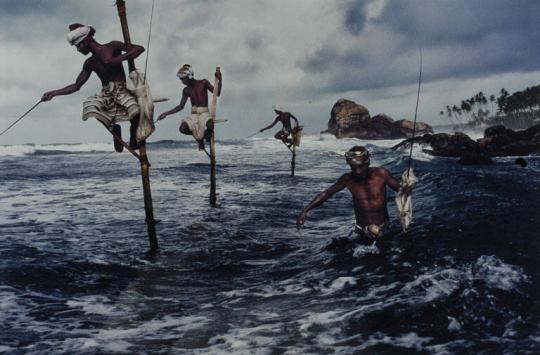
[(415, 114), (253, 135), (20, 118), (148, 43)]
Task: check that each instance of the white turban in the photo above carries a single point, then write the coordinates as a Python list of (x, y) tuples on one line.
[(186, 71), (78, 35), (277, 108)]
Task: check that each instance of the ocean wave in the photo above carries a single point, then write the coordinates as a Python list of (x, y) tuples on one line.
[(51, 149)]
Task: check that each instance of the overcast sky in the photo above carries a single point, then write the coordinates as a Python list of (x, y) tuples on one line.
[(301, 54)]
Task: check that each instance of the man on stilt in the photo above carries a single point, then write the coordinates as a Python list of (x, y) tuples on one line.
[(199, 124), (114, 103), (285, 119)]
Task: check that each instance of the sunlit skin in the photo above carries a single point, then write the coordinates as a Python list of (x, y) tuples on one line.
[(197, 92), (285, 119), (367, 186)]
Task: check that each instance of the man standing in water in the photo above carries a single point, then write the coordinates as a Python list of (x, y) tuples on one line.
[(114, 103), (368, 188), (285, 119), (199, 123)]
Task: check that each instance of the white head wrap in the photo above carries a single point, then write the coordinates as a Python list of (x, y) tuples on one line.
[(78, 35), (277, 108), (186, 71)]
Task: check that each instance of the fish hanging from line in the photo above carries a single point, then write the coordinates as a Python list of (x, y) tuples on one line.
[(404, 201)]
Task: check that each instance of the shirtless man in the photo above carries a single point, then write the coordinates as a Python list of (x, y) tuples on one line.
[(114, 103), (285, 119), (199, 123), (368, 189)]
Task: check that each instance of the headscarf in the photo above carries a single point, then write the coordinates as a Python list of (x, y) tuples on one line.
[(277, 108), (186, 71), (358, 156), (77, 33)]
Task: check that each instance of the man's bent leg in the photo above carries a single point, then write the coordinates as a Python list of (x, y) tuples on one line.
[(184, 129), (209, 130), (117, 132)]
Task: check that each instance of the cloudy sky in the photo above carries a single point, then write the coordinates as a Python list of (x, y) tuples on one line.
[(302, 54)]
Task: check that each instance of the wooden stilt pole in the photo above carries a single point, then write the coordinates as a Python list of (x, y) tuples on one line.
[(213, 198), (145, 165), (293, 161)]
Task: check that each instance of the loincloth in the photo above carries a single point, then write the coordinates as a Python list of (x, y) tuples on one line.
[(113, 104), (197, 121), (372, 231)]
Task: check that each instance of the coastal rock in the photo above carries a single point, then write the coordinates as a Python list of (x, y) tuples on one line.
[(351, 120), (497, 141), (407, 127), (346, 118), (502, 141), (443, 144)]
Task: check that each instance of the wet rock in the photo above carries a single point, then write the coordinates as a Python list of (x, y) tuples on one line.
[(351, 120), (497, 141), (406, 127), (443, 144)]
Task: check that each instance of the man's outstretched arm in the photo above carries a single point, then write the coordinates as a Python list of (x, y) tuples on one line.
[(319, 200), (81, 79), (270, 126), (175, 109)]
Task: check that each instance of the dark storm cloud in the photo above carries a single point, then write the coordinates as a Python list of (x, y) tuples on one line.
[(461, 22), (460, 39), (22, 7), (355, 17)]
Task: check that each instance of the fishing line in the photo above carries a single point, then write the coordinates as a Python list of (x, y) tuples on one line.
[(148, 43), (20, 118), (415, 113)]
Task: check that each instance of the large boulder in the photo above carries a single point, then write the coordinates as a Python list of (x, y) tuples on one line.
[(346, 118), (351, 120)]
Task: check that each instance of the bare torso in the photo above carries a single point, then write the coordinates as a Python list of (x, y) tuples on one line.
[(197, 92), (369, 196), (285, 119), (99, 63)]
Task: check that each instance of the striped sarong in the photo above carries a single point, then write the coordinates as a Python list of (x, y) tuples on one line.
[(113, 104)]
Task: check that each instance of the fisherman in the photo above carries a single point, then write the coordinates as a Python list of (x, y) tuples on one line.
[(368, 188), (199, 123), (285, 119), (114, 103)]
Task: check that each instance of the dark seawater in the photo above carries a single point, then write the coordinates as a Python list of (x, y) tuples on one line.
[(76, 278)]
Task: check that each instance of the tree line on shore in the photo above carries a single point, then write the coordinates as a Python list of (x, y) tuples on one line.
[(518, 110)]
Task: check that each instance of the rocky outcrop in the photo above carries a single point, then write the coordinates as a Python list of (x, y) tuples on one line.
[(351, 120), (408, 125), (443, 144), (502, 141), (497, 141), (346, 116)]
